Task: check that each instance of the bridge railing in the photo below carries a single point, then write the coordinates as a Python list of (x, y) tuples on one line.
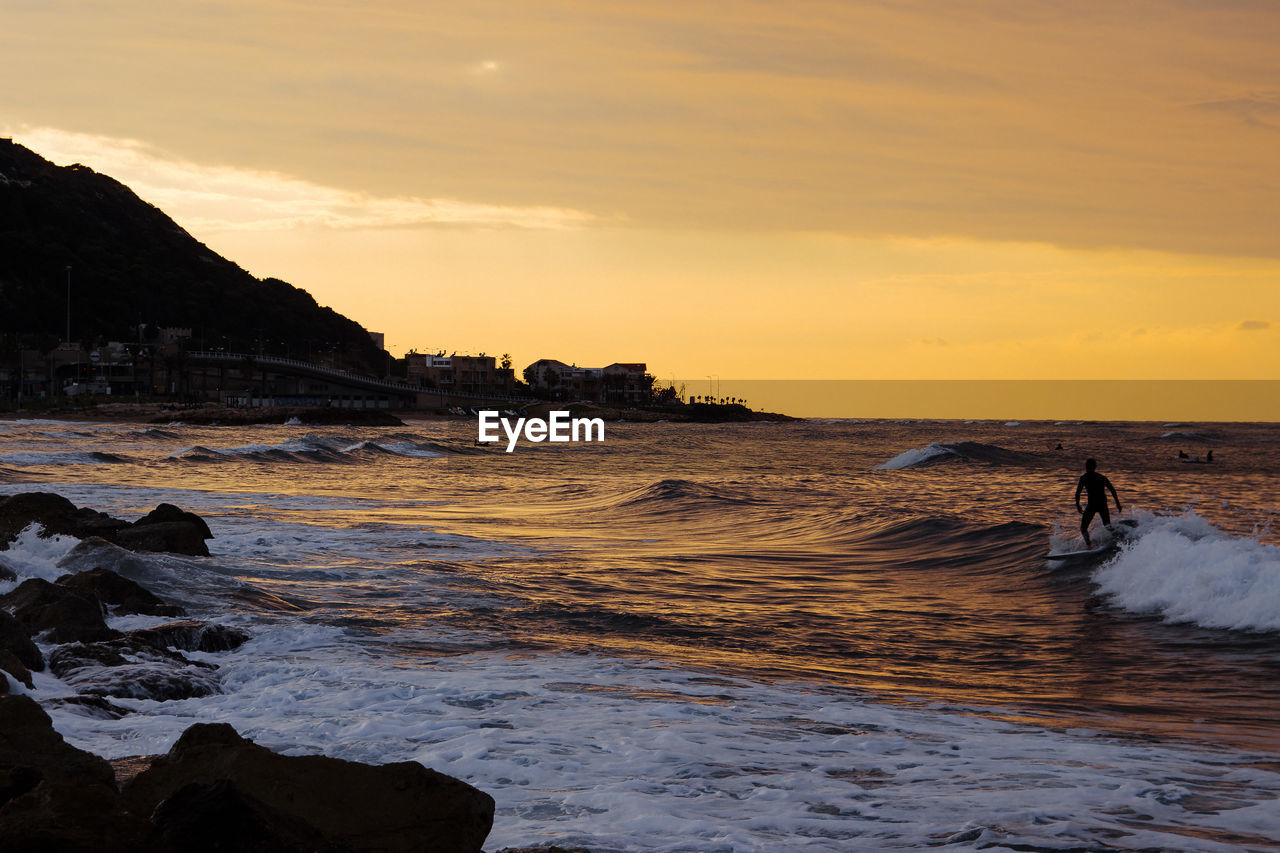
[(339, 373)]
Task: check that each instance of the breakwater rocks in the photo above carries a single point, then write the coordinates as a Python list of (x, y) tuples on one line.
[(166, 528), (215, 790)]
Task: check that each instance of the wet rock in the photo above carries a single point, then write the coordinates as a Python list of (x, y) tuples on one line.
[(54, 796), (55, 514), (132, 669), (29, 747), (217, 816), (176, 537), (90, 706), (169, 514), (16, 639), (6, 574), (192, 636), (393, 807), (147, 681), (10, 664), (63, 614), (124, 595), (166, 528)]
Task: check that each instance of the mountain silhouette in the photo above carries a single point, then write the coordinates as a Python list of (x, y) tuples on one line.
[(132, 264)]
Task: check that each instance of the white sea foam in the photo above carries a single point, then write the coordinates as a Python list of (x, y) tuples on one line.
[(1185, 570), (623, 755), (919, 456), (31, 555)]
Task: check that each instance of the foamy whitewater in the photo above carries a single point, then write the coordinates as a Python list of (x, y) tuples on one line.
[(811, 636)]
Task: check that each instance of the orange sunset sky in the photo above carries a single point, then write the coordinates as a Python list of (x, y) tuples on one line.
[(862, 190)]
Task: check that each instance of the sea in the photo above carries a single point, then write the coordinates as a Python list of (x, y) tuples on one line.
[(814, 635)]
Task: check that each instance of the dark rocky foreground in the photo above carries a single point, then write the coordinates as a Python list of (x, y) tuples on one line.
[(214, 790)]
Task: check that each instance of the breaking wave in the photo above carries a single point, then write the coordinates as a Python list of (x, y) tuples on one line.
[(963, 451), (1185, 570)]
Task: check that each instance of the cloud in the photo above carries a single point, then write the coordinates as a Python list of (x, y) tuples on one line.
[(1253, 325), (212, 199), (1255, 110)]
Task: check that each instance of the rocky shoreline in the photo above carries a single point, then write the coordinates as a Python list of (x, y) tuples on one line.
[(214, 789)]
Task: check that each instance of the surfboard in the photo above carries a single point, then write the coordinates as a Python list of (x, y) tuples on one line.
[(1092, 552)]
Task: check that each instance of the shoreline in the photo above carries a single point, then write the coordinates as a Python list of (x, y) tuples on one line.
[(208, 415)]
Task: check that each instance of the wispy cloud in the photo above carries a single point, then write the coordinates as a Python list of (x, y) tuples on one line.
[(212, 198), (1254, 326), (1255, 110)]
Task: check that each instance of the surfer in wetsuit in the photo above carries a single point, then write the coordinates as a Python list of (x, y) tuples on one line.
[(1094, 485)]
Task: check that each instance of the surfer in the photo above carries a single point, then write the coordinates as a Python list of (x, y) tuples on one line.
[(1094, 485)]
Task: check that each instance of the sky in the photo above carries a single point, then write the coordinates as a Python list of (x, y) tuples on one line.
[(920, 189)]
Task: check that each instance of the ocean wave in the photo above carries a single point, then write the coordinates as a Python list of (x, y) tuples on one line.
[(966, 451), (673, 491), (396, 448), (1192, 436), (1185, 570), (156, 433), (35, 458), (309, 449)]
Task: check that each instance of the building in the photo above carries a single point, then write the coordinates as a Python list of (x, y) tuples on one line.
[(619, 383), (460, 374)]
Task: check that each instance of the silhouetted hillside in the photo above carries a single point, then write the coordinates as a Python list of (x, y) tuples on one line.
[(132, 263)]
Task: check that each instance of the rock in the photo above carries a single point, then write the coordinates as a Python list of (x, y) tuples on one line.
[(55, 514), (112, 589), (54, 796), (129, 668), (217, 816), (10, 664), (393, 807), (71, 817), (168, 513), (28, 740), (166, 528), (6, 574), (174, 537), (65, 615), (192, 636), (16, 639), (90, 706)]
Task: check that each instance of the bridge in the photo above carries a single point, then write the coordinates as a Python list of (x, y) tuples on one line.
[(408, 395)]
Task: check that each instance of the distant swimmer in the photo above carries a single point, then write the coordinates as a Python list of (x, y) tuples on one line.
[(1209, 456), (1094, 485)]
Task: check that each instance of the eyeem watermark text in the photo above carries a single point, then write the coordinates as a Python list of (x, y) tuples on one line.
[(559, 427)]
